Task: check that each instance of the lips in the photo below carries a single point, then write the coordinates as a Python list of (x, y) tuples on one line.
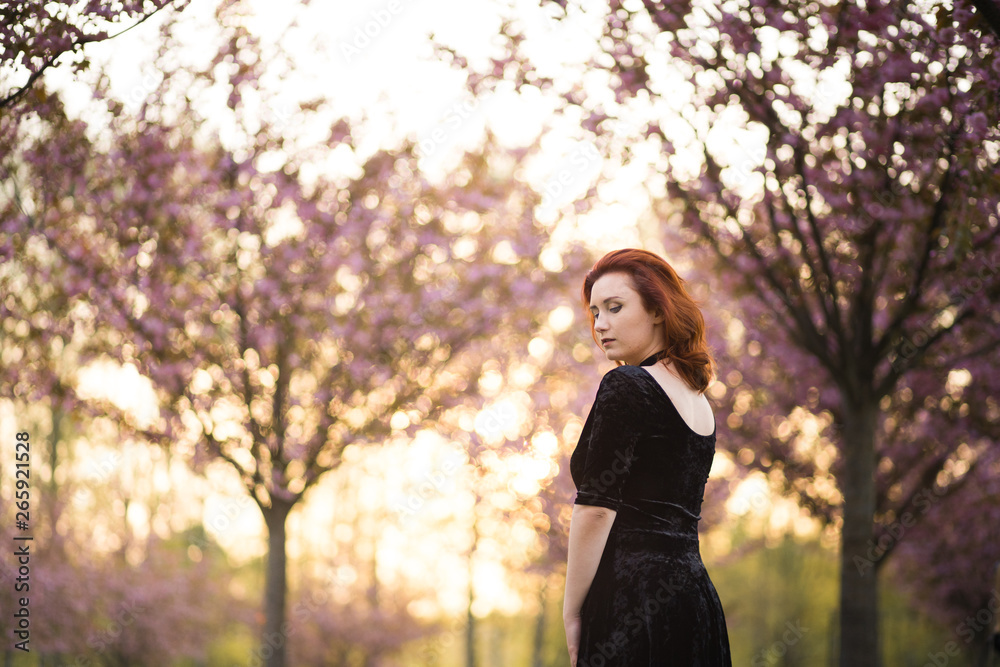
[(605, 341)]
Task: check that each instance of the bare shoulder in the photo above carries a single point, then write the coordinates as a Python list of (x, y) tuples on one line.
[(668, 378)]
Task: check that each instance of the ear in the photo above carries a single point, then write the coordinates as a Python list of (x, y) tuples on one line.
[(657, 316)]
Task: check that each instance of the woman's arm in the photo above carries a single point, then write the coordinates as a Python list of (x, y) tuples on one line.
[(588, 533)]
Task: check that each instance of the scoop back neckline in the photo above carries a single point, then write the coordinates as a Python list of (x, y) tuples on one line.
[(676, 411)]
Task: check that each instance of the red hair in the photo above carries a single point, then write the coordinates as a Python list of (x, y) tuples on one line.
[(663, 291)]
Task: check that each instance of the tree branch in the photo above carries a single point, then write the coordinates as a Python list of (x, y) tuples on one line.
[(896, 370), (989, 11), (927, 482), (831, 313), (935, 223), (18, 93)]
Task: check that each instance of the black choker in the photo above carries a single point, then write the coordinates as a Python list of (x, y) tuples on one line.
[(651, 359)]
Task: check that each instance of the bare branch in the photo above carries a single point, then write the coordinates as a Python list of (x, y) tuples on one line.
[(19, 92)]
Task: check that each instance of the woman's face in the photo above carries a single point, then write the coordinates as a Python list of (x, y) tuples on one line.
[(627, 331)]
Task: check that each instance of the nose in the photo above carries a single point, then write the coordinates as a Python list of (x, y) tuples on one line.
[(600, 327)]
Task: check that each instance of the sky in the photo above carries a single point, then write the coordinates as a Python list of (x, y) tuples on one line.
[(377, 57)]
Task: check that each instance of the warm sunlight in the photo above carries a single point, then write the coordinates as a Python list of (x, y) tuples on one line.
[(296, 364)]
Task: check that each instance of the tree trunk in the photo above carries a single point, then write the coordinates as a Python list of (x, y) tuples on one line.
[(994, 639), (982, 651), (470, 635), (539, 643), (470, 627), (57, 417), (275, 637), (859, 646), (53, 506)]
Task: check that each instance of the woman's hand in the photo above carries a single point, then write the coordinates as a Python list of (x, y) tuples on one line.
[(589, 528), (573, 625)]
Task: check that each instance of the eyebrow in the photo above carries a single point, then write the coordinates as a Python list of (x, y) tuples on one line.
[(610, 298)]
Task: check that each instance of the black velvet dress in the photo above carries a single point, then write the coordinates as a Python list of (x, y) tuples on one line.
[(651, 601)]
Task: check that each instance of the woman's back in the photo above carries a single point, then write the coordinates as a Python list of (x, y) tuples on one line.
[(667, 460), (651, 601), (637, 592)]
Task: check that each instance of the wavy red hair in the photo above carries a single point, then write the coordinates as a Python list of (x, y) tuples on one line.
[(661, 290)]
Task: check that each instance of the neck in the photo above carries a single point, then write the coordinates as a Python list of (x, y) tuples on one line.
[(649, 359)]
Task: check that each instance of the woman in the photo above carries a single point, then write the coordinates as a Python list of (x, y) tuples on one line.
[(637, 592)]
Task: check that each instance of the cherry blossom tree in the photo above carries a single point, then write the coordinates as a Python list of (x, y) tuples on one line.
[(845, 210), (364, 628), (34, 35), (89, 602), (92, 604), (280, 319)]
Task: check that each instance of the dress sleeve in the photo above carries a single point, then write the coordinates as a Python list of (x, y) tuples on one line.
[(610, 442)]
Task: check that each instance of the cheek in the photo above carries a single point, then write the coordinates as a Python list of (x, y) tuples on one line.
[(638, 322)]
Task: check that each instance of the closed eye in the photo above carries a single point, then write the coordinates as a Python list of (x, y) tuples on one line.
[(613, 309)]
